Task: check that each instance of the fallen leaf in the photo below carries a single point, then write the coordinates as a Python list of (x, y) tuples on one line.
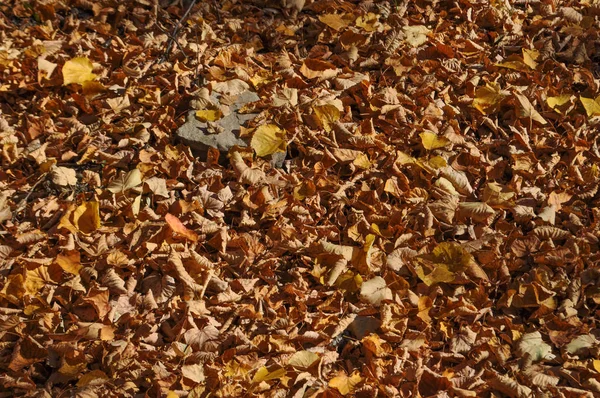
[(268, 139), (431, 140), (344, 384), (78, 70), (178, 227)]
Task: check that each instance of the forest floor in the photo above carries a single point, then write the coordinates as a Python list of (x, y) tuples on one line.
[(410, 208)]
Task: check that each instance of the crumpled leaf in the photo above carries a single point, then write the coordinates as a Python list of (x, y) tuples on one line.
[(489, 98)]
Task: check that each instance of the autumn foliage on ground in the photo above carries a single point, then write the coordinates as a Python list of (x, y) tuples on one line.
[(432, 232)]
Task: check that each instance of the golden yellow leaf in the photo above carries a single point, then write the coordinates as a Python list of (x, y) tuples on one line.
[(78, 70), (209, 115), (592, 107), (327, 115), (344, 384), (529, 57), (488, 99), (555, 102), (369, 22), (334, 21), (265, 374), (86, 218), (596, 365), (362, 161), (442, 264), (431, 140), (70, 262), (268, 139)]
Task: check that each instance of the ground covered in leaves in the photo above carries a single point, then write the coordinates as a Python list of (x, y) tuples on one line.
[(432, 232)]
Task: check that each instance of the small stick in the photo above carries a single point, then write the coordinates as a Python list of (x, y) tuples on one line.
[(173, 36)]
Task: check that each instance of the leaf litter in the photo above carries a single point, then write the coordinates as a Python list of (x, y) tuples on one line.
[(433, 229)]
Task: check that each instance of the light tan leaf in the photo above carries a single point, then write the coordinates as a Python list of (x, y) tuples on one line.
[(375, 290), (416, 35), (527, 110), (303, 359), (63, 176), (477, 211), (126, 181)]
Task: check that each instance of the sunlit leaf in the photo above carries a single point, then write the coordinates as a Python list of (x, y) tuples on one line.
[(126, 181), (527, 110), (416, 35), (209, 115), (78, 70), (592, 106), (178, 227), (268, 139), (327, 115), (345, 384), (431, 140), (303, 359)]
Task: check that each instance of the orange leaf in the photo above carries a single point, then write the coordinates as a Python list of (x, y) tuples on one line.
[(178, 227)]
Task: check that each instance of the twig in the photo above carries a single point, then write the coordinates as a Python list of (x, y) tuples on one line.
[(173, 36)]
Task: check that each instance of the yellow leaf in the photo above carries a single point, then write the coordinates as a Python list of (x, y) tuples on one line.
[(442, 264), (596, 364), (209, 115), (327, 115), (70, 262), (362, 161), (488, 98), (268, 139), (529, 57), (437, 162), (431, 140), (172, 394), (264, 374), (334, 21), (369, 22), (86, 218), (592, 107), (78, 70), (558, 101), (344, 384)]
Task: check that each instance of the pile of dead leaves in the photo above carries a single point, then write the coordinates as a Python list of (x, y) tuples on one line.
[(432, 232)]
